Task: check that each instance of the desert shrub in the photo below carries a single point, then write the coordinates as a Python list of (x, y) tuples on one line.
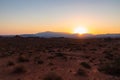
[(81, 72), (2, 55), (19, 70), (50, 64), (94, 49), (85, 65), (50, 57), (23, 59), (37, 60), (92, 59), (10, 63), (59, 54), (52, 76), (109, 56), (111, 68), (51, 51)]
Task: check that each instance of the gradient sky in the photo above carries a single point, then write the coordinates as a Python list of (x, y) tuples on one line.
[(32, 16)]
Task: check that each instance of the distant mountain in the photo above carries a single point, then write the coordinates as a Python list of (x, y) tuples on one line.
[(29, 35), (49, 34), (108, 35)]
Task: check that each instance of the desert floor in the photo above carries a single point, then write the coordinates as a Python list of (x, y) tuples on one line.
[(59, 59)]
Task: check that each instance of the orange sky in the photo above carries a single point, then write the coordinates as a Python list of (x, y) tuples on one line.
[(33, 16)]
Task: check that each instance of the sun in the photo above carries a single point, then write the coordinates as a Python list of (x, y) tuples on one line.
[(80, 30)]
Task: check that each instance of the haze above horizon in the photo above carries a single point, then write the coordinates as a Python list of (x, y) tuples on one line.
[(32, 16)]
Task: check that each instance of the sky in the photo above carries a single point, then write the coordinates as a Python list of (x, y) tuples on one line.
[(33, 16)]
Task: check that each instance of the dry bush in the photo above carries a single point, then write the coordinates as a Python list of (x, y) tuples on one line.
[(85, 65), (37, 60), (111, 68), (23, 59), (52, 76), (19, 70), (50, 57), (81, 72), (59, 54), (10, 63)]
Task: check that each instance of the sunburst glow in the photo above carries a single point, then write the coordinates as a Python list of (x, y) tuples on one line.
[(80, 30)]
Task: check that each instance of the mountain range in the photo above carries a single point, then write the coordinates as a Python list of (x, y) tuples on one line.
[(49, 34)]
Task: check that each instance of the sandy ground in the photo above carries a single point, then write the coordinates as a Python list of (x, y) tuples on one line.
[(59, 59)]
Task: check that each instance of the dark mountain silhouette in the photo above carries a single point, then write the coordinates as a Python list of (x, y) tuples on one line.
[(49, 34), (108, 35)]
